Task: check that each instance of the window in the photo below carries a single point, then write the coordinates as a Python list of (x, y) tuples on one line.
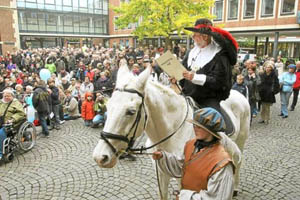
[(233, 8), (98, 4), (116, 27), (42, 21), (267, 8), (67, 2), (49, 1), (249, 8), (51, 21), (83, 3), (68, 20), (287, 7), (218, 10), (31, 17)]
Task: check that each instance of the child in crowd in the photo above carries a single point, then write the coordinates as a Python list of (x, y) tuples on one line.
[(100, 110), (87, 110), (240, 86)]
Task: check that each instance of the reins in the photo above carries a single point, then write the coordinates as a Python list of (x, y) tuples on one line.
[(106, 135)]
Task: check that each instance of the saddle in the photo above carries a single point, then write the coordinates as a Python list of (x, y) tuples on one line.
[(229, 125)]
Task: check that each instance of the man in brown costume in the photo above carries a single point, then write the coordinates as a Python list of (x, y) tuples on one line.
[(206, 168)]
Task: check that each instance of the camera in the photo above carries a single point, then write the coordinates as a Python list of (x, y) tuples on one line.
[(146, 60)]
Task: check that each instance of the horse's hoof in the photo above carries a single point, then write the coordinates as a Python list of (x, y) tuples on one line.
[(235, 193)]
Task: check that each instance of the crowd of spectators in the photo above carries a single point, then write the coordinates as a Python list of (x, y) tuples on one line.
[(261, 80), (82, 79)]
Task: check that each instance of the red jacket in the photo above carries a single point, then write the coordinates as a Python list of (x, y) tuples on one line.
[(297, 83), (90, 75), (87, 111)]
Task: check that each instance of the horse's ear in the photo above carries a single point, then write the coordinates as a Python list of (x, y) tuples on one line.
[(142, 78), (123, 70)]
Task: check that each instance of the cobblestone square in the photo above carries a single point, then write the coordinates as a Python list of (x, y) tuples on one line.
[(61, 167)]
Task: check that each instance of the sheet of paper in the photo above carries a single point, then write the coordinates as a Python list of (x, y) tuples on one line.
[(169, 63)]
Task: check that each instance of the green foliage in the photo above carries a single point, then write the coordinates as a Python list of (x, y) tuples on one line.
[(161, 17)]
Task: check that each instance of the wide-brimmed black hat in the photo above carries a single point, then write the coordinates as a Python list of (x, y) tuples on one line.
[(222, 37)]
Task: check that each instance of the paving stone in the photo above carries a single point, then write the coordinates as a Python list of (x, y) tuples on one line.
[(62, 167)]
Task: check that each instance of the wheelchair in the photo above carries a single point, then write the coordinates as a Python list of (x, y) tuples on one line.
[(22, 138)]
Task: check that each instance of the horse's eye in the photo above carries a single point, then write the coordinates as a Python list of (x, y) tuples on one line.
[(130, 112)]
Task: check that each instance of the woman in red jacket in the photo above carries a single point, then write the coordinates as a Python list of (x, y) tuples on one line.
[(296, 87), (87, 111)]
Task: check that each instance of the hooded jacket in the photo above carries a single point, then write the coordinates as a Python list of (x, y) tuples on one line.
[(87, 111)]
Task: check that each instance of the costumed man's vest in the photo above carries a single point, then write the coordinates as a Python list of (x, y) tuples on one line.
[(199, 167)]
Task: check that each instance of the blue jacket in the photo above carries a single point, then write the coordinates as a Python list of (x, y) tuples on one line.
[(287, 80)]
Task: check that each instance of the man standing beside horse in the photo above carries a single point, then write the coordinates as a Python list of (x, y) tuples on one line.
[(209, 64), (205, 168)]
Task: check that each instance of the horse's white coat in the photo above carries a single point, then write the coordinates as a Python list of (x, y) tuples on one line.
[(166, 111)]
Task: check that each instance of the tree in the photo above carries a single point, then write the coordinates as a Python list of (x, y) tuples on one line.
[(161, 17)]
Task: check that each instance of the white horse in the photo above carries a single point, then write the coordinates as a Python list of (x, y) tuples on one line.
[(135, 98)]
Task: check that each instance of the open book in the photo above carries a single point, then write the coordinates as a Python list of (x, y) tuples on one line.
[(169, 63)]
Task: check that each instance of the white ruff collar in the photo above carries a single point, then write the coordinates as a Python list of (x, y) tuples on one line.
[(199, 57)]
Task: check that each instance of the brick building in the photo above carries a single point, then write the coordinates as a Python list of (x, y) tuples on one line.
[(273, 25), (9, 32)]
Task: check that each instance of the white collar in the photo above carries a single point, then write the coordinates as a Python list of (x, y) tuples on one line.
[(199, 57)]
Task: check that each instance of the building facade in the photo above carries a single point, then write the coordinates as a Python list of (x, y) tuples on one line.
[(48, 23), (268, 26), (273, 25), (9, 33)]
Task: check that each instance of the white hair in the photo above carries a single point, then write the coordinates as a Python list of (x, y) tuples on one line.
[(29, 87), (9, 90)]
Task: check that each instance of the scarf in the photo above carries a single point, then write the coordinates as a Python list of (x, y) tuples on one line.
[(200, 144)]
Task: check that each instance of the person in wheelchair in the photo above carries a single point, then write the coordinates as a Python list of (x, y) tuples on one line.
[(11, 112)]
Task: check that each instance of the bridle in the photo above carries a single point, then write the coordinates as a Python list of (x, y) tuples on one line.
[(130, 141)]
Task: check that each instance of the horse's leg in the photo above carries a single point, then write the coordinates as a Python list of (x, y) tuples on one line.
[(240, 141)]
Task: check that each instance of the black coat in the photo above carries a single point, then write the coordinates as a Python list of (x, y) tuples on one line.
[(55, 96), (218, 80), (41, 100), (268, 88)]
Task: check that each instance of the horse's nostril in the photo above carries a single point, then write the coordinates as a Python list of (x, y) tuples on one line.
[(104, 159)]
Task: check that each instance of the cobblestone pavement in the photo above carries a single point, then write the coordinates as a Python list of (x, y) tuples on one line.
[(61, 167)]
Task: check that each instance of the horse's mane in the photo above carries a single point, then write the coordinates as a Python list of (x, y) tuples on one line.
[(164, 89)]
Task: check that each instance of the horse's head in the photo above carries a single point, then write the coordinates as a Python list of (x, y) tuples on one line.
[(126, 117)]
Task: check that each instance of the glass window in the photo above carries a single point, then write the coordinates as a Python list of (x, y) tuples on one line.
[(22, 19), (105, 4), (67, 2), (116, 27), (31, 18), (249, 8), (218, 10), (267, 7), (51, 19), (40, 1), (49, 1), (288, 7), (75, 3), (68, 20), (84, 21), (91, 4), (98, 4), (68, 29), (31, 5), (83, 3), (233, 7), (41, 18), (58, 2), (42, 22), (31, 1)]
